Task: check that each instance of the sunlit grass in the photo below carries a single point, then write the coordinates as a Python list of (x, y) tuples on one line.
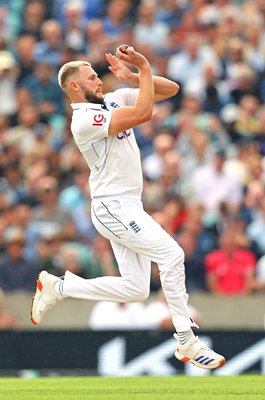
[(145, 388)]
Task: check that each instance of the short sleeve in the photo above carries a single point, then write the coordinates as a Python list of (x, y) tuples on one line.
[(90, 126), (124, 96)]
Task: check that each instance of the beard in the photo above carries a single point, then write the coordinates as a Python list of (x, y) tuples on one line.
[(92, 97)]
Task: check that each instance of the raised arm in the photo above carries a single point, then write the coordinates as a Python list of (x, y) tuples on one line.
[(163, 87), (124, 118)]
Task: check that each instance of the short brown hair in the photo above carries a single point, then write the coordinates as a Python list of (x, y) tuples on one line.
[(69, 69)]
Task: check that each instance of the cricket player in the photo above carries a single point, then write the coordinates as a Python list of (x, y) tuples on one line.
[(102, 127)]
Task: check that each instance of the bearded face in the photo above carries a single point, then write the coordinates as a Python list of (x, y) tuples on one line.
[(92, 97)]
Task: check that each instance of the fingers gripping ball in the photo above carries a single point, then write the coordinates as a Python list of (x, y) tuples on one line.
[(123, 48)]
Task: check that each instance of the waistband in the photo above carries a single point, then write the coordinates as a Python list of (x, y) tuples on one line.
[(122, 196)]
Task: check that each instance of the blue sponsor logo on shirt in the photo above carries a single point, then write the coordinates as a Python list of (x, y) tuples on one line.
[(114, 105), (124, 135)]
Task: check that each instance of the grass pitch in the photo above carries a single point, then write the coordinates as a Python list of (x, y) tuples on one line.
[(143, 388)]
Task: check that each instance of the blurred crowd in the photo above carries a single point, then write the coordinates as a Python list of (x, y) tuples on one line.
[(203, 153)]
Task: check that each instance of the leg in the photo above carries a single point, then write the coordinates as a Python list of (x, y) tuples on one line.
[(133, 285), (135, 238), (127, 223), (134, 228)]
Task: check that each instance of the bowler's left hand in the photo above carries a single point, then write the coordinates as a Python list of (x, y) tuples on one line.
[(118, 68)]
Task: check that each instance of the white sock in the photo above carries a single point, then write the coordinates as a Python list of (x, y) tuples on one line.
[(184, 337), (58, 288)]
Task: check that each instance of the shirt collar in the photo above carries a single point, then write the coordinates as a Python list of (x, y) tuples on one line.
[(94, 106)]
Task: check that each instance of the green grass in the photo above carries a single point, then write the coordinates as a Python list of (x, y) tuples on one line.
[(145, 388)]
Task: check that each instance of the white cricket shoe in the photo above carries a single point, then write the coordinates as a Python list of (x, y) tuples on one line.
[(45, 296), (199, 354)]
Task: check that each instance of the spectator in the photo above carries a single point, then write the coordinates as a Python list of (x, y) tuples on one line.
[(91, 9), (117, 316), (43, 87), (237, 223), (77, 193), (213, 185), (74, 25), (5, 207), (194, 261), (171, 180), (75, 198), (12, 184), (9, 154), (104, 256), (170, 12), (33, 16), (182, 121), (260, 274), (197, 223), (7, 319), (4, 125), (213, 93), (145, 135), (255, 49), (230, 270), (247, 122), (48, 217), (200, 153), (28, 130), (153, 164), (24, 50), (157, 315), (8, 77), (256, 228), (23, 99), (46, 249), (94, 9), (22, 216), (187, 66), (239, 164), (116, 21), (243, 83), (49, 49), (148, 30), (79, 258), (32, 175), (176, 209), (16, 273)]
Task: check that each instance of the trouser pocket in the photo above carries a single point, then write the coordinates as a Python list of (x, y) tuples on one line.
[(107, 218)]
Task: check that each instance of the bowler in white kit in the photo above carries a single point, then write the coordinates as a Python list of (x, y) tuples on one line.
[(102, 127)]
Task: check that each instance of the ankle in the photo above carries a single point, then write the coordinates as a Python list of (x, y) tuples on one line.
[(185, 336), (58, 288)]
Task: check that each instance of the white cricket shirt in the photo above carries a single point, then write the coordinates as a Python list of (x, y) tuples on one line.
[(114, 161)]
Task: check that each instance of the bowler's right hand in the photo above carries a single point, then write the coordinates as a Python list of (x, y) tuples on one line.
[(128, 54)]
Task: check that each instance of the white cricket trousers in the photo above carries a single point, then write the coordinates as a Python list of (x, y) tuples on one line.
[(136, 240)]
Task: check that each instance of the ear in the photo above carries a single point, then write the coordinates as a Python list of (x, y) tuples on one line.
[(73, 86)]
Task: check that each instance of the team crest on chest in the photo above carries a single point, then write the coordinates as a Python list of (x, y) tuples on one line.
[(135, 227)]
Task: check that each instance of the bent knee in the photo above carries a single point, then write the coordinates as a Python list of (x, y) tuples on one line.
[(176, 258), (137, 294), (142, 295)]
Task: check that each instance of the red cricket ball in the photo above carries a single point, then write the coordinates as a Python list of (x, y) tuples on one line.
[(123, 48)]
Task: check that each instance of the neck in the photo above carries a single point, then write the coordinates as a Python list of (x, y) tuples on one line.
[(78, 99)]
